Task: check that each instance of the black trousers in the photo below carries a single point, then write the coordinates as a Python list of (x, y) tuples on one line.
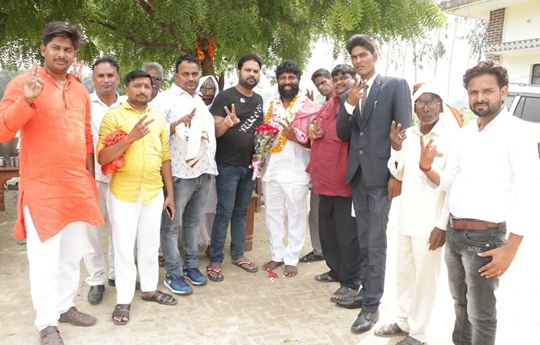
[(339, 239)]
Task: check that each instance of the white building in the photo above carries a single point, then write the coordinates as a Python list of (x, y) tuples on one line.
[(513, 33)]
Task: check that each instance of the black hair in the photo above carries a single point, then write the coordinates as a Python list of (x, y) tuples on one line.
[(61, 29), (288, 66), (189, 58), (249, 57), (363, 41), (137, 74), (486, 67), (321, 72), (343, 69), (109, 60)]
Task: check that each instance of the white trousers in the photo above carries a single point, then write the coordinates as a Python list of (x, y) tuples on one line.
[(277, 195), (94, 258), (54, 267), (417, 274), (134, 222)]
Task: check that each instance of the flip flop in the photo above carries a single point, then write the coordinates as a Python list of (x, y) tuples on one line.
[(217, 279), (391, 330), (325, 278), (242, 263)]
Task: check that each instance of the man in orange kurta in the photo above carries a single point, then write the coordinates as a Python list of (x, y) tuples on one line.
[(57, 194)]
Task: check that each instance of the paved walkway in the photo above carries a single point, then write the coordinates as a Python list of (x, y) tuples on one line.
[(252, 309)]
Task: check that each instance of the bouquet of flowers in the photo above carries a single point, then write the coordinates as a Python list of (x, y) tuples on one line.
[(111, 139), (264, 137)]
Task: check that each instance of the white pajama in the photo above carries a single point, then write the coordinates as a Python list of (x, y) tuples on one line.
[(54, 267), (417, 274), (277, 195), (134, 222), (93, 253)]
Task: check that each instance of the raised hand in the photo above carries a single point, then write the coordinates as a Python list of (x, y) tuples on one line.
[(288, 130), (140, 129), (309, 94), (231, 118), (397, 136), (77, 69), (33, 85), (428, 153), (315, 130), (186, 119), (357, 92)]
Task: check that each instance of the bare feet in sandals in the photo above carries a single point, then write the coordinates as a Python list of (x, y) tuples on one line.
[(290, 271), (246, 265), (213, 270), (272, 265)]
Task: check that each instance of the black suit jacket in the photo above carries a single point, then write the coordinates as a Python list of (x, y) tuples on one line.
[(389, 99)]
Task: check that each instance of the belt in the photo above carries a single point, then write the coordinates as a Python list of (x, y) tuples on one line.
[(473, 224)]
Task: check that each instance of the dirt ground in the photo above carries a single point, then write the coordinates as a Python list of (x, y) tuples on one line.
[(252, 309)]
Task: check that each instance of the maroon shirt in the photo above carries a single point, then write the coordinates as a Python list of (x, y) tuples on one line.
[(329, 156)]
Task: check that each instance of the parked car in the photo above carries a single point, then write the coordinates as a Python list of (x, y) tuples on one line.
[(523, 101)]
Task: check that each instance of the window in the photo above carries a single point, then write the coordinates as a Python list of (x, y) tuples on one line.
[(535, 78), (527, 108)]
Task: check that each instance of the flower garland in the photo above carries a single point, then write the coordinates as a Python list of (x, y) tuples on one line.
[(277, 114)]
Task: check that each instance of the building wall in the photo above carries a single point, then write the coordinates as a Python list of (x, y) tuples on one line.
[(522, 22), (520, 67), (495, 29)]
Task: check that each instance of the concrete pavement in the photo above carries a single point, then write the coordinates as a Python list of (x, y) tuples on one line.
[(252, 309)]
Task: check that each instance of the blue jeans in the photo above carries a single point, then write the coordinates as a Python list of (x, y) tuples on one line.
[(474, 295), (234, 188), (190, 196)]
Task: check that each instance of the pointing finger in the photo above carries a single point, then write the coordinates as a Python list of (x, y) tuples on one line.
[(33, 70)]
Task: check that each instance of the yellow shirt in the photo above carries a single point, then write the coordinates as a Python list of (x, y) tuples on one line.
[(144, 157)]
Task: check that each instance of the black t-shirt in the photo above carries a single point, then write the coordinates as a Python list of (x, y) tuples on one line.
[(237, 145)]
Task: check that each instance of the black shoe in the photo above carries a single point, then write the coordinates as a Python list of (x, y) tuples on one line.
[(350, 303), (112, 282), (365, 321), (95, 295), (310, 257)]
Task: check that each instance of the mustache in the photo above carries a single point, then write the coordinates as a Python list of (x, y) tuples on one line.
[(478, 103), (60, 59)]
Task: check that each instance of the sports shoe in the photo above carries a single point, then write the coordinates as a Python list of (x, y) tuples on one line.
[(195, 276), (177, 285)]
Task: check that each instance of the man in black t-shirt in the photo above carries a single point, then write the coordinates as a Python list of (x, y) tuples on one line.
[(237, 111)]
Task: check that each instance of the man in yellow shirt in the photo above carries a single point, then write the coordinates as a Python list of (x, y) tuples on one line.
[(135, 198)]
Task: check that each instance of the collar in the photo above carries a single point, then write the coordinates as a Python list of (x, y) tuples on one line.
[(128, 106), (178, 91), (95, 98), (371, 80), (436, 130), (499, 120)]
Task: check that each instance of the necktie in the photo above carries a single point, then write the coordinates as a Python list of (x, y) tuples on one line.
[(364, 101)]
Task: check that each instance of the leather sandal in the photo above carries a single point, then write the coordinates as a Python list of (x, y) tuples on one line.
[(75, 317), (50, 336), (391, 330), (123, 311)]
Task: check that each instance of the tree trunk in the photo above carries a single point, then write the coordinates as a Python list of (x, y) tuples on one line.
[(207, 64)]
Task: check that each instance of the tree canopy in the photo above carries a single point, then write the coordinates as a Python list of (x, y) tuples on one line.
[(218, 31)]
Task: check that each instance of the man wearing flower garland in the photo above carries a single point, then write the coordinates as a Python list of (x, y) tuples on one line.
[(285, 180), (237, 111)]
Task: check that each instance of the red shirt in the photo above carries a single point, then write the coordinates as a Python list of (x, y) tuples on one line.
[(55, 140), (329, 155)]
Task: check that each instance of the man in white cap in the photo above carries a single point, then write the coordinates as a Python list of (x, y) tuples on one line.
[(422, 215)]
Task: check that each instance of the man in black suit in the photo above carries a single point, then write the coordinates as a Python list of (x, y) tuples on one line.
[(365, 116)]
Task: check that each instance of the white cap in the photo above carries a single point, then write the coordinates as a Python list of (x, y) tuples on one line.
[(447, 115)]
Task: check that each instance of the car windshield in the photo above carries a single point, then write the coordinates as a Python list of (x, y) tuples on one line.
[(527, 108)]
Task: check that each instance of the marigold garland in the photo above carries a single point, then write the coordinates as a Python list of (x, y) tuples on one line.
[(268, 118)]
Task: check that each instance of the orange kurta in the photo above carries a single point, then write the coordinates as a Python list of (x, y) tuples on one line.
[(56, 138)]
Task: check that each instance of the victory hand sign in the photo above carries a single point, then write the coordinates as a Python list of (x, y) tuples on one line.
[(140, 129), (397, 136), (33, 85), (231, 118)]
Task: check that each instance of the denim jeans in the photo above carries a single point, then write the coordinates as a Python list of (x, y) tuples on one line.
[(474, 295), (190, 196), (234, 188)]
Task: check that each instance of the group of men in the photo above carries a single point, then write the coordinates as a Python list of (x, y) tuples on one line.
[(158, 151)]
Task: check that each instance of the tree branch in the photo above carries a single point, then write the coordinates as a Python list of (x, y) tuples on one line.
[(147, 7), (132, 39)]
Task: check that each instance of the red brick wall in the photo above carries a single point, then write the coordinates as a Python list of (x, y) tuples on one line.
[(495, 29)]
